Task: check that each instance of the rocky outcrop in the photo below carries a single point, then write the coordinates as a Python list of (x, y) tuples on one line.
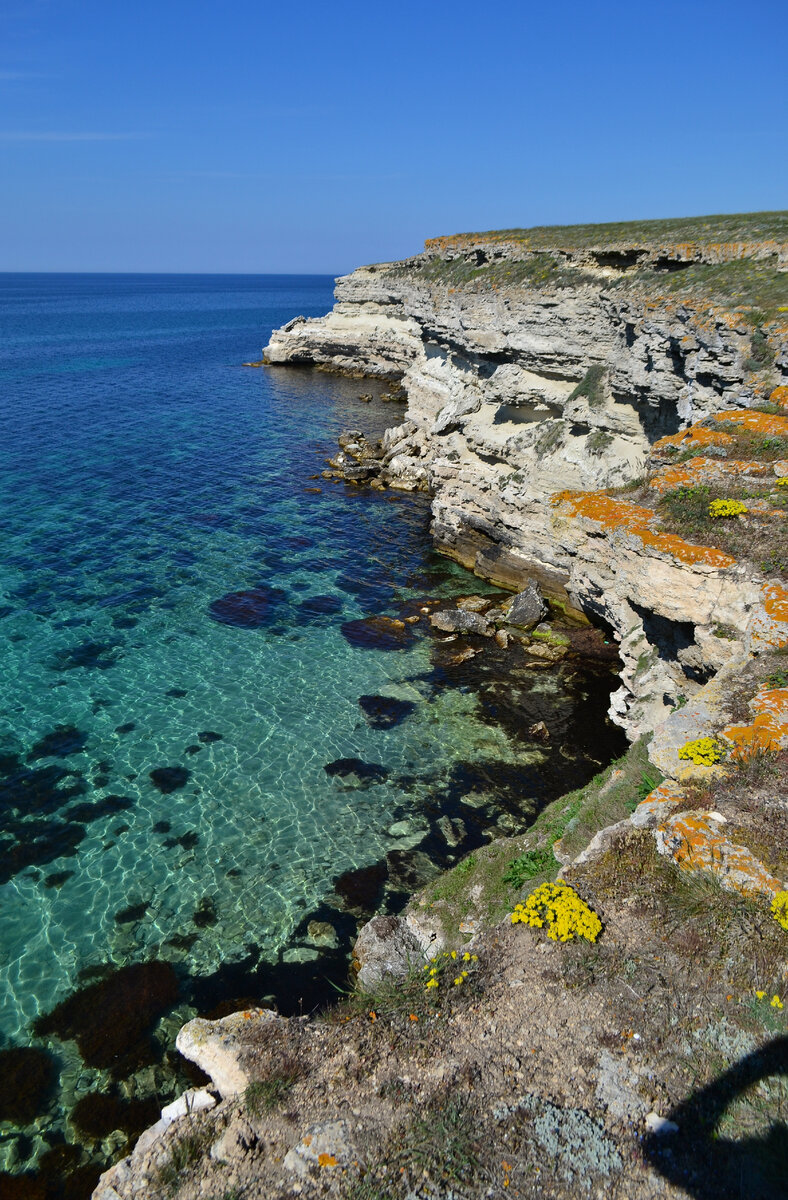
[(549, 378)]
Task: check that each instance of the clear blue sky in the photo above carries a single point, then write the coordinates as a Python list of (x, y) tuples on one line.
[(164, 135)]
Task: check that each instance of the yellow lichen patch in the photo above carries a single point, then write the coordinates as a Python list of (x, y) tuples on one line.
[(768, 729), (689, 439), (703, 470), (780, 396), (758, 422), (695, 843), (623, 516)]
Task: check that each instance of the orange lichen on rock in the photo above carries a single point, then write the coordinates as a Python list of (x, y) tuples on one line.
[(657, 804), (779, 396), (770, 626), (768, 729), (688, 439), (623, 516), (695, 842), (704, 470), (758, 422)]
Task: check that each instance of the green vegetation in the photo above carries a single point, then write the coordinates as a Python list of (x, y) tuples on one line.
[(744, 282), (533, 862), (591, 387), (688, 512), (598, 441), (724, 227)]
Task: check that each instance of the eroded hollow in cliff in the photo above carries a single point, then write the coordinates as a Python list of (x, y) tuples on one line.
[(674, 641)]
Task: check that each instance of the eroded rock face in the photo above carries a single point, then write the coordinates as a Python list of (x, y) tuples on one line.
[(215, 1046), (519, 394)]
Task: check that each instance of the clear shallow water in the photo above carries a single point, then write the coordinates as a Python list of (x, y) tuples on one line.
[(146, 474)]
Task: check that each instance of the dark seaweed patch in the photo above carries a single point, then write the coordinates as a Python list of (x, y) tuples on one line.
[(208, 736), (177, 693), (127, 728), (193, 749), (361, 889), (354, 772), (110, 1020), (62, 741), (27, 1076), (182, 941), (96, 809), (162, 827), (98, 1114), (57, 879), (251, 609), (385, 712), (205, 913), (44, 842), (187, 841), (315, 607), (169, 779), (134, 912), (98, 656)]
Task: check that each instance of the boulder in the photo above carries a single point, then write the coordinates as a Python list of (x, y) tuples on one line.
[(215, 1046), (527, 608), (457, 621), (385, 949)]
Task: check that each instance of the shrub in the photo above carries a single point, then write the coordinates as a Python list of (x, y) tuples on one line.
[(591, 386), (558, 906), (533, 862)]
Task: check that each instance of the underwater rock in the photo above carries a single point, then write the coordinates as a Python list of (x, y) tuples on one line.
[(127, 728), (109, 1019), (27, 1076), (354, 772), (62, 741), (251, 609), (208, 736), (409, 870), (99, 656), (385, 712), (93, 810), (169, 779), (361, 888), (377, 633), (134, 912)]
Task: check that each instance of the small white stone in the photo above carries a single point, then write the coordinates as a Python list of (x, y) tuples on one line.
[(660, 1126)]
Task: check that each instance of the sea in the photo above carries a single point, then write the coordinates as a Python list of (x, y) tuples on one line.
[(213, 765)]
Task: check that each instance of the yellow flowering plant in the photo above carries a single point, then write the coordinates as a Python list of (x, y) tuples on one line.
[(727, 508), (782, 481), (780, 909), (558, 907), (464, 964), (703, 752)]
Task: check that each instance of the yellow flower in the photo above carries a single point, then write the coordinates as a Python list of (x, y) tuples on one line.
[(782, 481), (704, 752), (780, 909), (760, 995), (776, 1002), (559, 907), (454, 953), (432, 983), (466, 957), (458, 981), (727, 508)]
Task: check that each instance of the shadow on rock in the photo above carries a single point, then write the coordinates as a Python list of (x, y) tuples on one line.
[(711, 1167)]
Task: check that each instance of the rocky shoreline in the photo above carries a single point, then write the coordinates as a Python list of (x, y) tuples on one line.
[(547, 420)]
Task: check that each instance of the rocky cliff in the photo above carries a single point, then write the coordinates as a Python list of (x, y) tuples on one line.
[(538, 363)]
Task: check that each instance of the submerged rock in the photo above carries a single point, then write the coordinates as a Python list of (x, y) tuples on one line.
[(361, 888), (27, 1076), (378, 633)]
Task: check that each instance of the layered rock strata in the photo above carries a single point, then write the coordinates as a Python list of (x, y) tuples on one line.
[(522, 394)]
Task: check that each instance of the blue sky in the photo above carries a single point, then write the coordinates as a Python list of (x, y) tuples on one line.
[(251, 136)]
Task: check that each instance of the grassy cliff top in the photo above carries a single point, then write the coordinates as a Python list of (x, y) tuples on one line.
[(725, 227)]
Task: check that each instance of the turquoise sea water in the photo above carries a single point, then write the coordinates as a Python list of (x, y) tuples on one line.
[(164, 792)]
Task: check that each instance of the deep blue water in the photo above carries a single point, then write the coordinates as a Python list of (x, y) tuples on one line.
[(147, 475)]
